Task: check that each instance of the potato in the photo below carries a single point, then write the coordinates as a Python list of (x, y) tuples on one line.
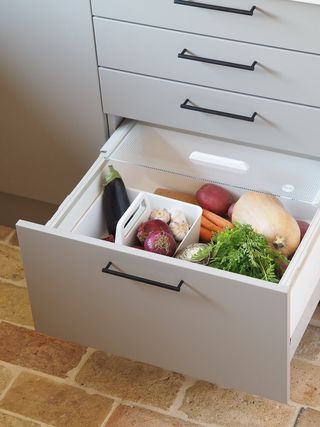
[(214, 198)]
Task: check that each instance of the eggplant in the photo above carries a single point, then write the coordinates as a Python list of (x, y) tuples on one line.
[(115, 199)]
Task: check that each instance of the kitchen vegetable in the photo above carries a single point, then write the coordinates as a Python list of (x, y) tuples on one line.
[(205, 235), (115, 199), (109, 238), (303, 228), (268, 216), (145, 228), (209, 225), (191, 250), (217, 219), (244, 251), (178, 216), (162, 214), (160, 242), (179, 230), (230, 210), (214, 198), (177, 195)]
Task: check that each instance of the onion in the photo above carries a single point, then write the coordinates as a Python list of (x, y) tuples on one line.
[(303, 227), (145, 228), (266, 214), (160, 242)]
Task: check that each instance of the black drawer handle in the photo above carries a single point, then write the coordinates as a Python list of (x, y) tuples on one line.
[(183, 55), (219, 8), (186, 106), (108, 270)]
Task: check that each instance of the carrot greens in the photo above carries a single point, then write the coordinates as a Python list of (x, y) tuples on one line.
[(242, 250)]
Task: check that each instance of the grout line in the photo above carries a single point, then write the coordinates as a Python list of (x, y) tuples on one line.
[(15, 373), (19, 283), (19, 325), (177, 403), (112, 410), (71, 375), (24, 418), (310, 362), (300, 412)]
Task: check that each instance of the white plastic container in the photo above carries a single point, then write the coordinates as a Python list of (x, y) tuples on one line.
[(140, 209)]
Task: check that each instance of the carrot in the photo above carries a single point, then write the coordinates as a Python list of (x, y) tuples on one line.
[(177, 195), (209, 225), (205, 235), (217, 220)]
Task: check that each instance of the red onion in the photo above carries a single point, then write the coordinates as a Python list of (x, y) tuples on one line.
[(303, 228), (145, 228), (160, 242)]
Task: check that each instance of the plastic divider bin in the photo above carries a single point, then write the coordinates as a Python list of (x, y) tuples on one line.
[(140, 210)]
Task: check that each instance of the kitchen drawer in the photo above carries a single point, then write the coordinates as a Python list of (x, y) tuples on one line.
[(278, 74), (197, 331), (277, 125), (281, 23)]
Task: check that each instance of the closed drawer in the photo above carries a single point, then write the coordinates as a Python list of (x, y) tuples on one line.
[(196, 331), (240, 67), (281, 23), (277, 125)]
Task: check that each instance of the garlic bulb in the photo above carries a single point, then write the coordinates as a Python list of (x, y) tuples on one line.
[(179, 230), (161, 214), (266, 214), (178, 216)]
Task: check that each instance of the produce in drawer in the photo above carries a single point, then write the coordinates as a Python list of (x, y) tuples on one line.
[(212, 223), (190, 251), (160, 242), (145, 228), (242, 250), (162, 214), (178, 225), (214, 198), (266, 214), (115, 199), (303, 228)]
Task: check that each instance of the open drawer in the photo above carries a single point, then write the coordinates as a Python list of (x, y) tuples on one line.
[(226, 328)]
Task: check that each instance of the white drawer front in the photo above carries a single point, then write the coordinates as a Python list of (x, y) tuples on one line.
[(277, 125), (281, 23), (278, 74), (197, 331)]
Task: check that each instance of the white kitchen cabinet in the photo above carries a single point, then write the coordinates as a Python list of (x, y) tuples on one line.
[(223, 327), (52, 123)]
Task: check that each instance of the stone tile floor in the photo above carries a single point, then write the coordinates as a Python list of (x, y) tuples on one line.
[(48, 382)]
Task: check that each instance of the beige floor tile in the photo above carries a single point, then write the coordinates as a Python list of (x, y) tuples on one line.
[(134, 381), (211, 404), (15, 304), (14, 239), (58, 404), (126, 416), (305, 383), (308, 418), (10, 263), (5, 377), (12, 421), (309, 347), (316, 317), (5, 231), (25, 347)]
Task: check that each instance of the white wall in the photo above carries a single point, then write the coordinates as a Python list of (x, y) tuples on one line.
[(51, 120)]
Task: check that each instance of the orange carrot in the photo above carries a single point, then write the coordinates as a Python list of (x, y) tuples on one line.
[(205, 235), (217, 220), (210, 225)]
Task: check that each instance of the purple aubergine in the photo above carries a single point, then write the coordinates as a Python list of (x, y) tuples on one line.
[(115, 199)]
